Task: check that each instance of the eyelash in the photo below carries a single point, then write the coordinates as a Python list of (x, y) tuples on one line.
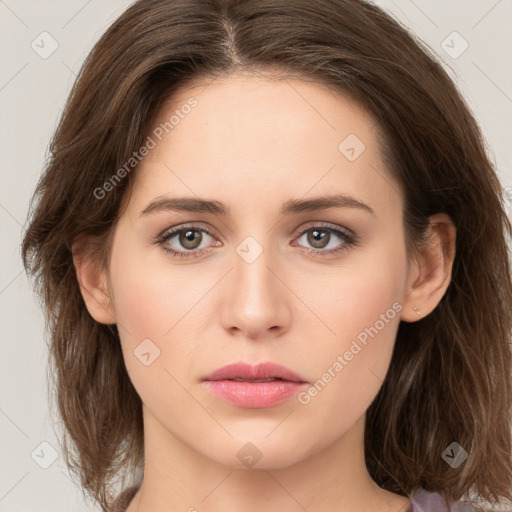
[(350, 240)]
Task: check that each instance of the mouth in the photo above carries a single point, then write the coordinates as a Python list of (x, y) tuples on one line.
[(262, 372), (254, 386)]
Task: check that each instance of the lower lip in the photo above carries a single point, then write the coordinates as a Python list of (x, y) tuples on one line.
[(255, 395)]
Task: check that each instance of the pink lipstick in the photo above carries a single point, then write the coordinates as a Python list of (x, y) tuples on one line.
[(254, 386)]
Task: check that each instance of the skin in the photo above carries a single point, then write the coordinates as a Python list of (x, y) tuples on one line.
[(254, 143)]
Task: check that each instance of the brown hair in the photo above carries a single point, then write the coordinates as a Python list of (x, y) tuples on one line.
[(450, 374)]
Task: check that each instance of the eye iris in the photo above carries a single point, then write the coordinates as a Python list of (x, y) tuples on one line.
[(188, 238), (316, 238)]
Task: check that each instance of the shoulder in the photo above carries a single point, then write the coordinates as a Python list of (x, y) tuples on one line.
[(123, 500), (427, 501)]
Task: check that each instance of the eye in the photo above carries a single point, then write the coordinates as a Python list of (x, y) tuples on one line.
[(320, 236), (188, 240), (187, 237)]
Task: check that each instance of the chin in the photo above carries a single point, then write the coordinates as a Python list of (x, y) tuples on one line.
[(257, 453)]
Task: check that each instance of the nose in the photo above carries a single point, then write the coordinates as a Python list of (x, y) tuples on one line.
[(256, 304)]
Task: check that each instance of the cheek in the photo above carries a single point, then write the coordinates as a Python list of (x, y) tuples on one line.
[(155, 305), (149, 302), (362, 310), (150, 296), (349, 370), (355, 294), (139, 300)]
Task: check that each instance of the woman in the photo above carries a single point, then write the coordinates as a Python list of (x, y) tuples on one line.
[(273, 256)]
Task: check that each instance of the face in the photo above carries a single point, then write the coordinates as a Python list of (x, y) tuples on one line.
[(316, 290)]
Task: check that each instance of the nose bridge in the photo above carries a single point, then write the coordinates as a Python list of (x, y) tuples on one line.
[(255, 293), (254, 280)]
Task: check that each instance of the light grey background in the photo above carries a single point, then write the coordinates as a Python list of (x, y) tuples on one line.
[(32, 94)]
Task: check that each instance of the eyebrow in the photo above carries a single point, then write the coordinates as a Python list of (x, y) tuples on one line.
[(191, 204)]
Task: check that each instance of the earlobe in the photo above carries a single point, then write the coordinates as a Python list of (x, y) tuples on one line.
[(430, 274), (92, 279)]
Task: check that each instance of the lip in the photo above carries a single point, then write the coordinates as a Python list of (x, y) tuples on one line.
[(263, 370), (250, 394)]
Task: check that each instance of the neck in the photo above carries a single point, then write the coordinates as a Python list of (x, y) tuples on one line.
[(332, 479)]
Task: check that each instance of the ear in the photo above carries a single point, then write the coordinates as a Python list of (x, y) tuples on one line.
[(92, 279), (431, 271)]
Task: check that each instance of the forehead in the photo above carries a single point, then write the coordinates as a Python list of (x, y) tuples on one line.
[(232, 110), (254, 140)]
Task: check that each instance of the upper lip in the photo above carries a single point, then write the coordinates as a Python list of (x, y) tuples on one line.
[(265, 370)]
